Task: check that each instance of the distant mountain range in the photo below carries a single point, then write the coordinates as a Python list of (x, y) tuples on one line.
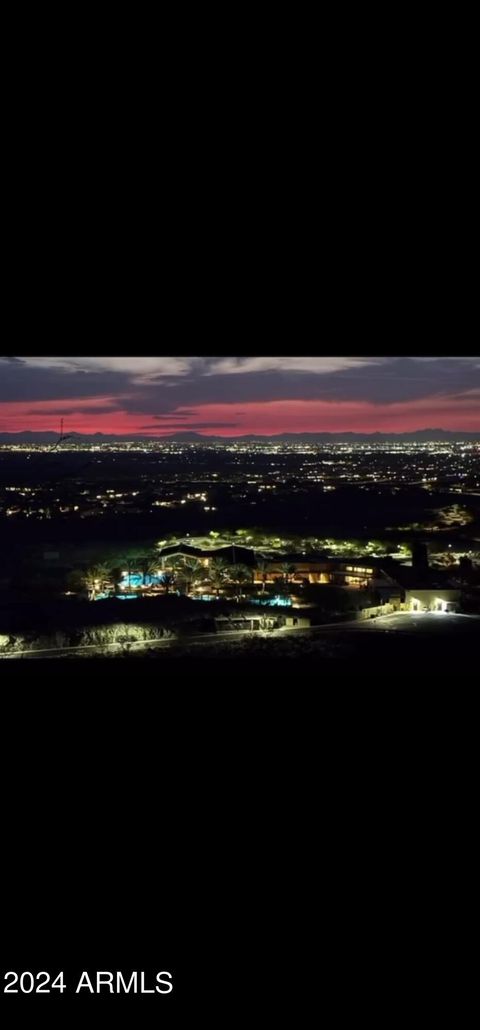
[(420, 436)]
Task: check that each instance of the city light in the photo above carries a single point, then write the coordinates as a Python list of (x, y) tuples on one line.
[(326, 527)]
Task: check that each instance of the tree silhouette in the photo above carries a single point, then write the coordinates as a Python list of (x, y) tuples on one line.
[(132, 564), (263, 567), (117, 574), (240, 575), (288, 571), (193, 570), (218, 574), (148, 566), (168, 579), (96, 579)]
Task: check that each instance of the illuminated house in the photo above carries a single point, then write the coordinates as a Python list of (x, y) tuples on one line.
[(434, 600), (414, 588), (426, 589), (431, 590), (295, 568), (298, 568)]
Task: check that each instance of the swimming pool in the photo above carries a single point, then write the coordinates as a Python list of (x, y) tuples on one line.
[(136, 580), (120, 597)]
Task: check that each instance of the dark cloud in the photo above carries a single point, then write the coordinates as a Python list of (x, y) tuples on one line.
[(389, 381), (184, 413), (194, 426), (399, 380), (24, 383)]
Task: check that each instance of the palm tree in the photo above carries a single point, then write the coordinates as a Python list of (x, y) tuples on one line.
[(241, 574), (102, 570), (90, 583), (188, 569), (117, 573), (218, 573), (178, 566), (192, 569), (131, 564), (168, 579), (199, 575), (288, 571), (148, 566), (263, 568), (95, 579)]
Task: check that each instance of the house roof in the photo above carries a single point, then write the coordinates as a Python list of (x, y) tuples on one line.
[(195, 552), (428, 579), (232, 554)]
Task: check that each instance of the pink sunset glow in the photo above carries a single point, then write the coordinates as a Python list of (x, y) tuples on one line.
[(105, 414)]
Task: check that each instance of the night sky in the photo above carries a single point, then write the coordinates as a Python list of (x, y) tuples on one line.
[(233, 396)]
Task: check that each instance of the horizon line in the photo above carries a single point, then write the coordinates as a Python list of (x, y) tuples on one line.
[(205, 435)]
